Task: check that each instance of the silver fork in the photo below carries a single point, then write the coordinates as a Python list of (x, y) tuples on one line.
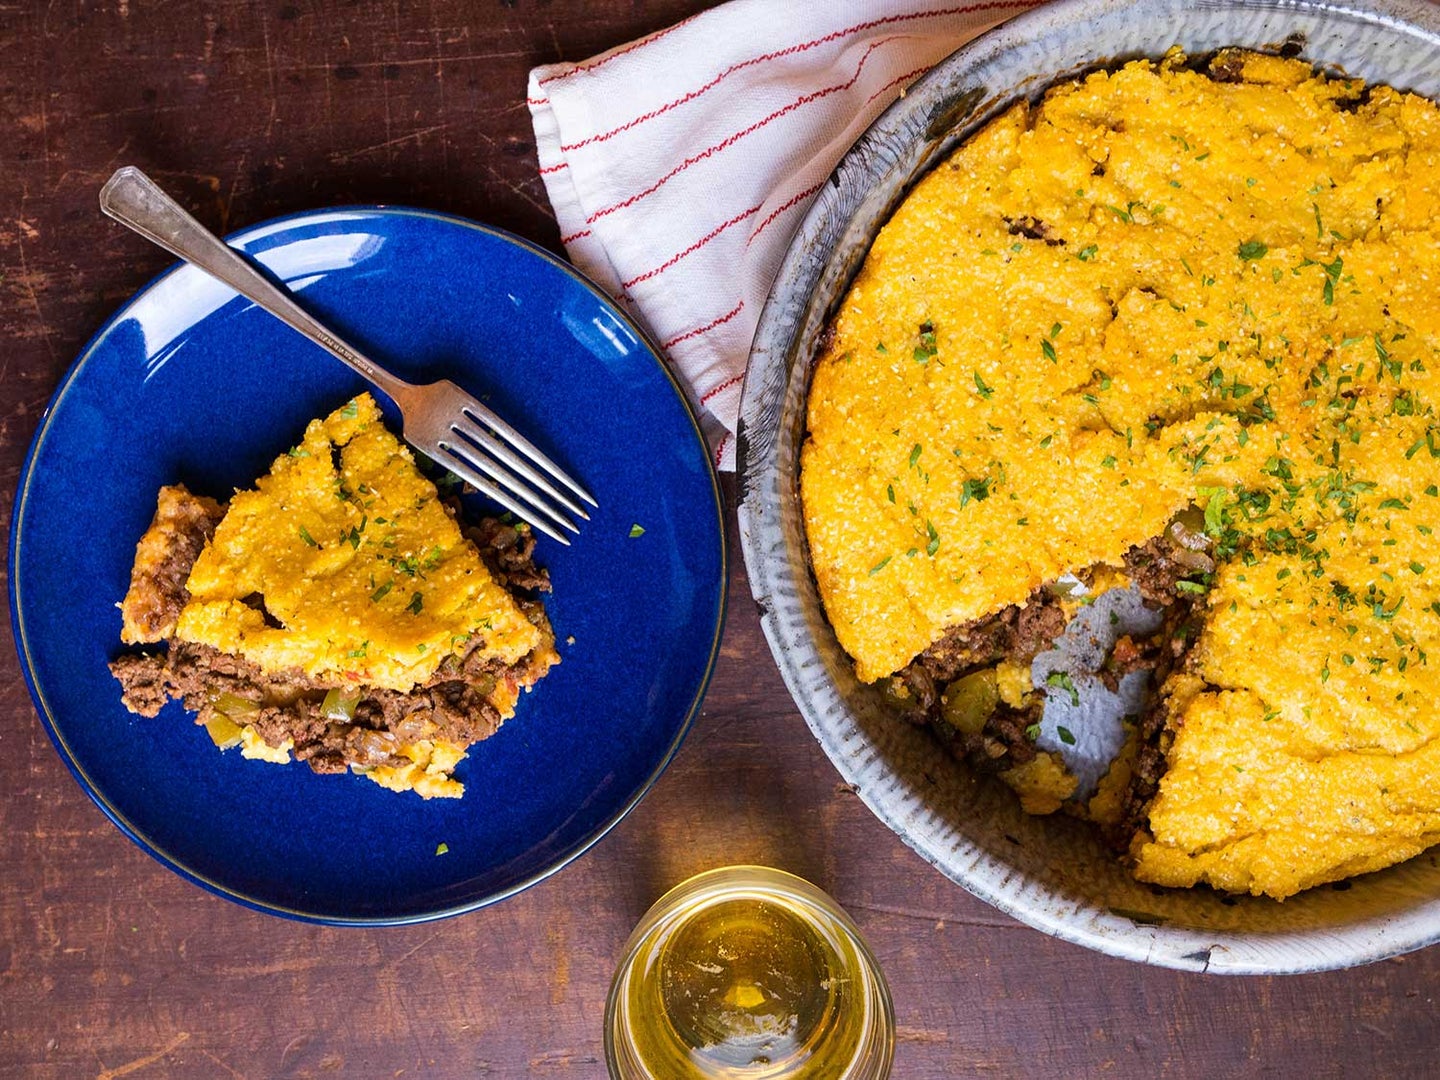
[(443, 422)]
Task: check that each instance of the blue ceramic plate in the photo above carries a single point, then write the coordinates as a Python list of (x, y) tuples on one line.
[(189, 382)]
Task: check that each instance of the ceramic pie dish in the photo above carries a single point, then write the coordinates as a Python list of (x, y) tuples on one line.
[(1049, 872)]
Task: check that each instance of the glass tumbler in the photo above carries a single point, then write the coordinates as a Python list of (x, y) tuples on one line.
[(748, 973)]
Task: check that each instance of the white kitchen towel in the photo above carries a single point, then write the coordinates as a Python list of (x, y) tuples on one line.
[(679, 165)]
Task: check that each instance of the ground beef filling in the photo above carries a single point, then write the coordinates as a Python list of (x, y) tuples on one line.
[(1019, 633), (157, 588), (453, 705)]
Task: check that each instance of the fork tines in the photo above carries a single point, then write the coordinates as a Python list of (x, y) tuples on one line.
[(491, 456)]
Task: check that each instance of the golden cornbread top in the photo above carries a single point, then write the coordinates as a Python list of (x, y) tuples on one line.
[(1155, 289), (354, 554)]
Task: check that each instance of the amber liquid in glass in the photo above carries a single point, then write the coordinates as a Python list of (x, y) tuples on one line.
[(748, 986)]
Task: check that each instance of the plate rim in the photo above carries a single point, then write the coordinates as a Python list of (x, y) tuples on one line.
[(270, 226)]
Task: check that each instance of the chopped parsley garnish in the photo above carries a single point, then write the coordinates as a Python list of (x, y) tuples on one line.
[(1332, 275), (305, 535), (1430, 440), (1394, 367), (1214, 511), (1061, 681), (880, 566), (1049, 350), (1087, 253), (1251, 250), (636, 531), (379, 594), (979, 490), (934, 542), (1066, 735), (985, 391), (1377, 605), (416, 603), (925, 351), (915, 453)]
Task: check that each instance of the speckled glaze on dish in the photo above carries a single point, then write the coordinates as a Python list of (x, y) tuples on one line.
[(1049, 872), (190, 383)]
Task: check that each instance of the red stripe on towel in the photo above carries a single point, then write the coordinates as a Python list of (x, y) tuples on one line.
[(789, 204), (792, 50), (899, 79), (724, 144), (707, 327), (711, 235), (723, 386), (578, 68)]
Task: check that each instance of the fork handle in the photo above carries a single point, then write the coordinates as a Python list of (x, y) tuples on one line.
[(136, 201)]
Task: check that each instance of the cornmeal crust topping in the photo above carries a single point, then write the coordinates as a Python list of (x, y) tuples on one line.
[(355, 555), (1162, 289)]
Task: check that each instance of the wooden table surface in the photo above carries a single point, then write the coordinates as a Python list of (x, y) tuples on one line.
[(112, 966)]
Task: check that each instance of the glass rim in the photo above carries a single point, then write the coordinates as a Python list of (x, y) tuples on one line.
[(874, 1051)]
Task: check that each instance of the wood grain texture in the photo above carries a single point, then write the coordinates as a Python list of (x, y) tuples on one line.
[(111, 966)]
